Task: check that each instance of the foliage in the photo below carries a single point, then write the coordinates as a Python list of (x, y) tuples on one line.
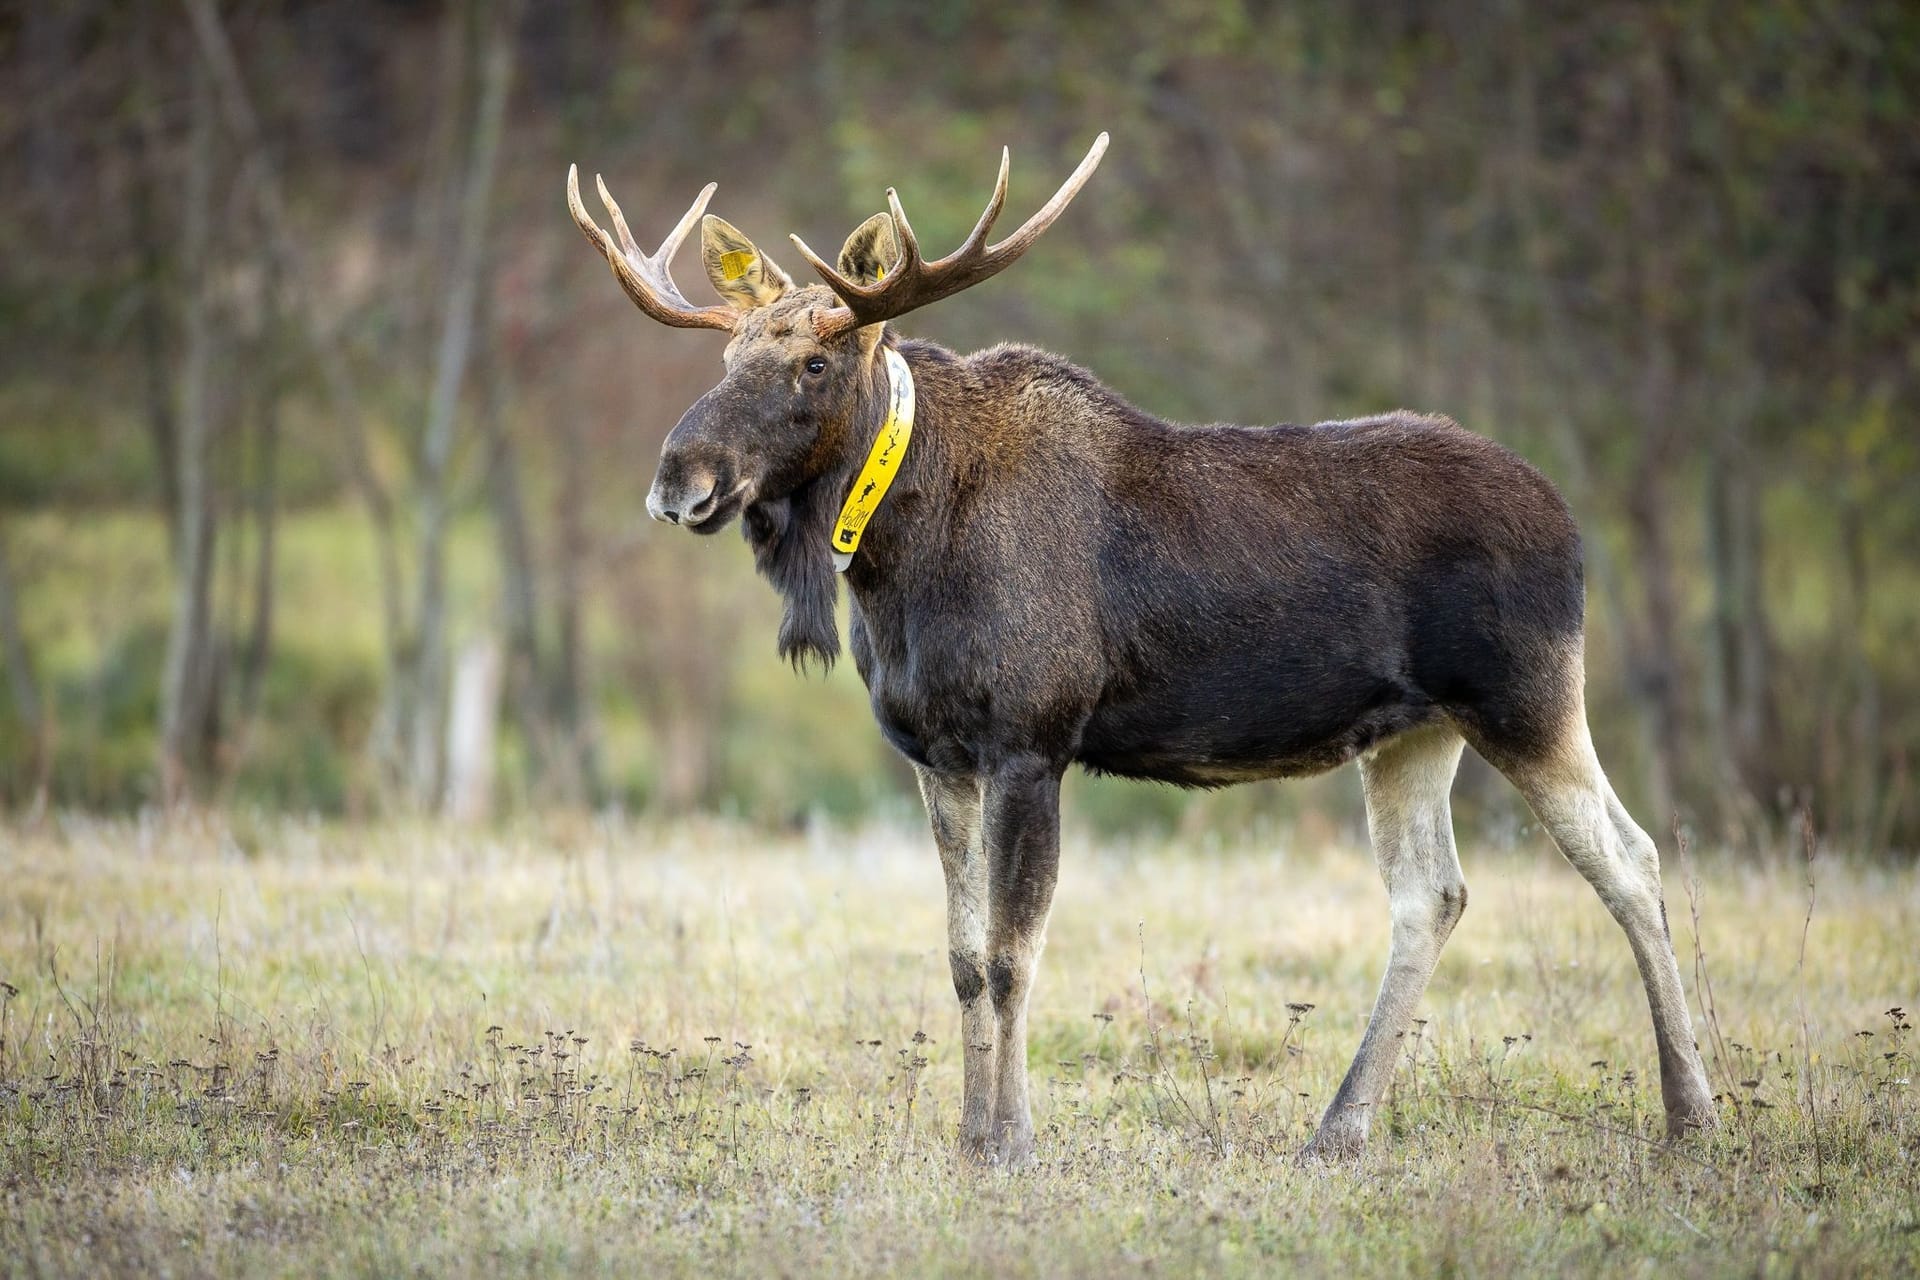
[(1665, 249)]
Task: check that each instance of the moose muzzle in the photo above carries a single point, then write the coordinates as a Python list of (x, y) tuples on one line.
[(698, 484), (684, 499)]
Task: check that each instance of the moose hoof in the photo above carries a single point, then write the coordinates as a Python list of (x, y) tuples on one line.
[(1334, 1144), (1013, 1150), (1691, 1118), (973, 1149)]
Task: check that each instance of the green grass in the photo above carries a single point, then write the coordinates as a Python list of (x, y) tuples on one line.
[(95, 599), (243, 1047)]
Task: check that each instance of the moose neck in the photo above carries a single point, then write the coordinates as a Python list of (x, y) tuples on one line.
[(792, 536), (905, 524)]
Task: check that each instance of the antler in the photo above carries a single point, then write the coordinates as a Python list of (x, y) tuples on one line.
[(648, 280), (914, 282)]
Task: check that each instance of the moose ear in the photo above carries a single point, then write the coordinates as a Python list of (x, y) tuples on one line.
[(743, 276), (871, 251)]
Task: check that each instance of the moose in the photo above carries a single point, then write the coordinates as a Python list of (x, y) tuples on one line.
[(1042, 575)]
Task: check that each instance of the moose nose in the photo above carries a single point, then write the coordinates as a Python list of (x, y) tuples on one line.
[(689, 506)]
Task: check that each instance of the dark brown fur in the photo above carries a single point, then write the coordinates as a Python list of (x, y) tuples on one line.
[(1058, 571)]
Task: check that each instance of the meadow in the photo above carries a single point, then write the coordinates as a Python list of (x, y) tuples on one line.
[(241, 1046)]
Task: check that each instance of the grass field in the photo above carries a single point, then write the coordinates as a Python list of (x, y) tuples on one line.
[(244, 1048)]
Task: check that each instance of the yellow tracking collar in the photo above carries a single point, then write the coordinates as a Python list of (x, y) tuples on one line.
[(883, 463)]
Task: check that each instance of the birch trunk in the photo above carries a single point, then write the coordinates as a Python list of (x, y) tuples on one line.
[(472, 730), (430, 674)]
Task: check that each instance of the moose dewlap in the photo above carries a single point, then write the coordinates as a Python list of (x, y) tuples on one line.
[(1043, 575)]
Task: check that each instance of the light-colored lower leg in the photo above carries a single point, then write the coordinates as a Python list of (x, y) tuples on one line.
[(953, 807), (1411, 825), (1573, 800), (1011, 975)]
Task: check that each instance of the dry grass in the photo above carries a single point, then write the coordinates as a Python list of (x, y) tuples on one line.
[(274, 1048)]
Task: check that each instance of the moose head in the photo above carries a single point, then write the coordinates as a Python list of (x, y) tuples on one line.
[(801, 361)]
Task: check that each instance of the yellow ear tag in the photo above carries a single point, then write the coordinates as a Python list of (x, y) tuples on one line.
[(879, 275), (735, 264)]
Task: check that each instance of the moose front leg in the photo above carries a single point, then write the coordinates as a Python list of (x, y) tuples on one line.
[(953, 807), (1022, 836)]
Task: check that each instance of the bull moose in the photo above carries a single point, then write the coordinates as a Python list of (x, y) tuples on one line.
[(1043, 575)]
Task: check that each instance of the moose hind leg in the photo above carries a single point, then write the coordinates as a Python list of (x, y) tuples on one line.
[(953, 807), (1572, 798), (1408, 818)]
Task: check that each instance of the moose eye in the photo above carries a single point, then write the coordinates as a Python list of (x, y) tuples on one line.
[(816, 366)]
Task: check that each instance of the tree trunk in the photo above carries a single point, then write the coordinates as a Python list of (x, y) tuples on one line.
[(24, 685), (430, 673), (265, 488), (472, 729), (1653, 676), (148, 235), (519, 588), (187, 683), (1743, 639), (1860, 786), (1656, 670), (573, 744), (216, 52), (684, 740), (49, 37)]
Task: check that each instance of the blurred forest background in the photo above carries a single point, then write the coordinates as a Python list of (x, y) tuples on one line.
[(324, 437)]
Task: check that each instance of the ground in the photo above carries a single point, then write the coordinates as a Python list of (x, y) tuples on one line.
[(247, 1047)]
